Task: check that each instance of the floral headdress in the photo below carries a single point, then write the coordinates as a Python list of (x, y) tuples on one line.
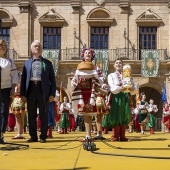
[(92, 53)]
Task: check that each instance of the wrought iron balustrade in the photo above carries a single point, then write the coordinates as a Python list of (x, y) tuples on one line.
[(75, 53), (123, 53), (11, 53)]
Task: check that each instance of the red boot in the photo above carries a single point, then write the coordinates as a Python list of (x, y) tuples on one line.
[(122, 133), (152, 131), (116, 133), (105, 130), (49, 132), (113, 132)]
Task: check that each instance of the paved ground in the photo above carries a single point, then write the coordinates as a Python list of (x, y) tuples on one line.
[(65, 152)]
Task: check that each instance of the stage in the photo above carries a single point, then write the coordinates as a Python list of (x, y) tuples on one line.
[(65, 152)]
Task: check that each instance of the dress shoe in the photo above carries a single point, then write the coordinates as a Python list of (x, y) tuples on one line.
[(32, 140), (42, 140)]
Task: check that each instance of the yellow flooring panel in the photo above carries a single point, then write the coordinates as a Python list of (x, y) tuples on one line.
[(65, 152)]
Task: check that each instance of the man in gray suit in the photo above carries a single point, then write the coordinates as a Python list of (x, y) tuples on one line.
[(38, 87)]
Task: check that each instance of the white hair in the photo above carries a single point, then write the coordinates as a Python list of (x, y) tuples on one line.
[(35, 42)]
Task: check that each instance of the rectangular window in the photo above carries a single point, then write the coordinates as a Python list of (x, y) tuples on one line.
[(99, 37), (52, 38), (147, 37), (5, 35)]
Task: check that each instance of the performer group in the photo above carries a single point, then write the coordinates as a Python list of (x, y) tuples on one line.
[(95, 106)]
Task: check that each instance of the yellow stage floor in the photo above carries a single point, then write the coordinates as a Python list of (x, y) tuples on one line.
[(65, 152)]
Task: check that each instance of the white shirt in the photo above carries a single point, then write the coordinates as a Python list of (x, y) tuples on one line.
[(9, 74), (115, 84)]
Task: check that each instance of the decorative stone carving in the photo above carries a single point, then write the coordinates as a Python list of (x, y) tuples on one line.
[(76, 6), (25, 6), (51, 18), (149, 18), (100, 2), (124, 5)]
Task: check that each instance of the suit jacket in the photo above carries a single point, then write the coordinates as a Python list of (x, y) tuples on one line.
[(48, 82)]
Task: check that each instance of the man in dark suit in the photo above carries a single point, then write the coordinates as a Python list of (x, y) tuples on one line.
[(38, 87)]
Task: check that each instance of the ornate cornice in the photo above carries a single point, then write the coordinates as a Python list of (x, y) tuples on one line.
[(76, 4), (25, 6), (124, 5)]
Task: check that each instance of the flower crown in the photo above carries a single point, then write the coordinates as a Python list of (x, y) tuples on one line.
[(92, 53)]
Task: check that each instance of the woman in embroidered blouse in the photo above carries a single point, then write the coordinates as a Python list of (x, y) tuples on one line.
[(120, 112), (83, 89), (9, 80)]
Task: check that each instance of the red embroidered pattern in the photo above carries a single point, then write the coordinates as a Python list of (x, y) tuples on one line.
[(119, 78)]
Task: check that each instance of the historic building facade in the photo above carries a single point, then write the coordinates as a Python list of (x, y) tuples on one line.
[(123, 28)]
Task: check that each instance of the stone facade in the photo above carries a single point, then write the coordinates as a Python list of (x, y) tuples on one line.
[(26, 19)]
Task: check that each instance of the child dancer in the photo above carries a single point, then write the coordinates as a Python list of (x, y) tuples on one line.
[(65, 110), (19, 109), (143, 113), (152, 109), (120, 112), (166, 116)]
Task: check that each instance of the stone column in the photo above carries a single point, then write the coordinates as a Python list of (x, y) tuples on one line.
[(125, 6), (76, 26), (25, 27)]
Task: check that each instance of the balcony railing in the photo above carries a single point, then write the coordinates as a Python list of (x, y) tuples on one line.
[(123, 53), (12, 54)]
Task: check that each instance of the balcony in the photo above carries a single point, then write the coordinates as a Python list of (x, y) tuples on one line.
[(123, 53)]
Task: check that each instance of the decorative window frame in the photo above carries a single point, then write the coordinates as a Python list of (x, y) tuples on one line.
[(98, 21), (51, 19), (149, 18), (8, 20)]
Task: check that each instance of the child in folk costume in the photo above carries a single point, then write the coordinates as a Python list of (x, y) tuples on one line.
[(136, 118), (130, 125), (152, 109), (65, 111), (11, 121), (120, 112), (106, 120), (143, 113), (72, 119), (166, 116), (84, 88), (19, 109), (58, 116)]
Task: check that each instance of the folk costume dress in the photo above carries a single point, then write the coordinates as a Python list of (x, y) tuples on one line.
[(64, 122), (166, 116), (143, 113), (120, 112), (152, 109), (84, 88)]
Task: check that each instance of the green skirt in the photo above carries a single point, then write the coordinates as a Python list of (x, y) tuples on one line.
[(64, 122), (120, 112), (152, 120), (106, 121)]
